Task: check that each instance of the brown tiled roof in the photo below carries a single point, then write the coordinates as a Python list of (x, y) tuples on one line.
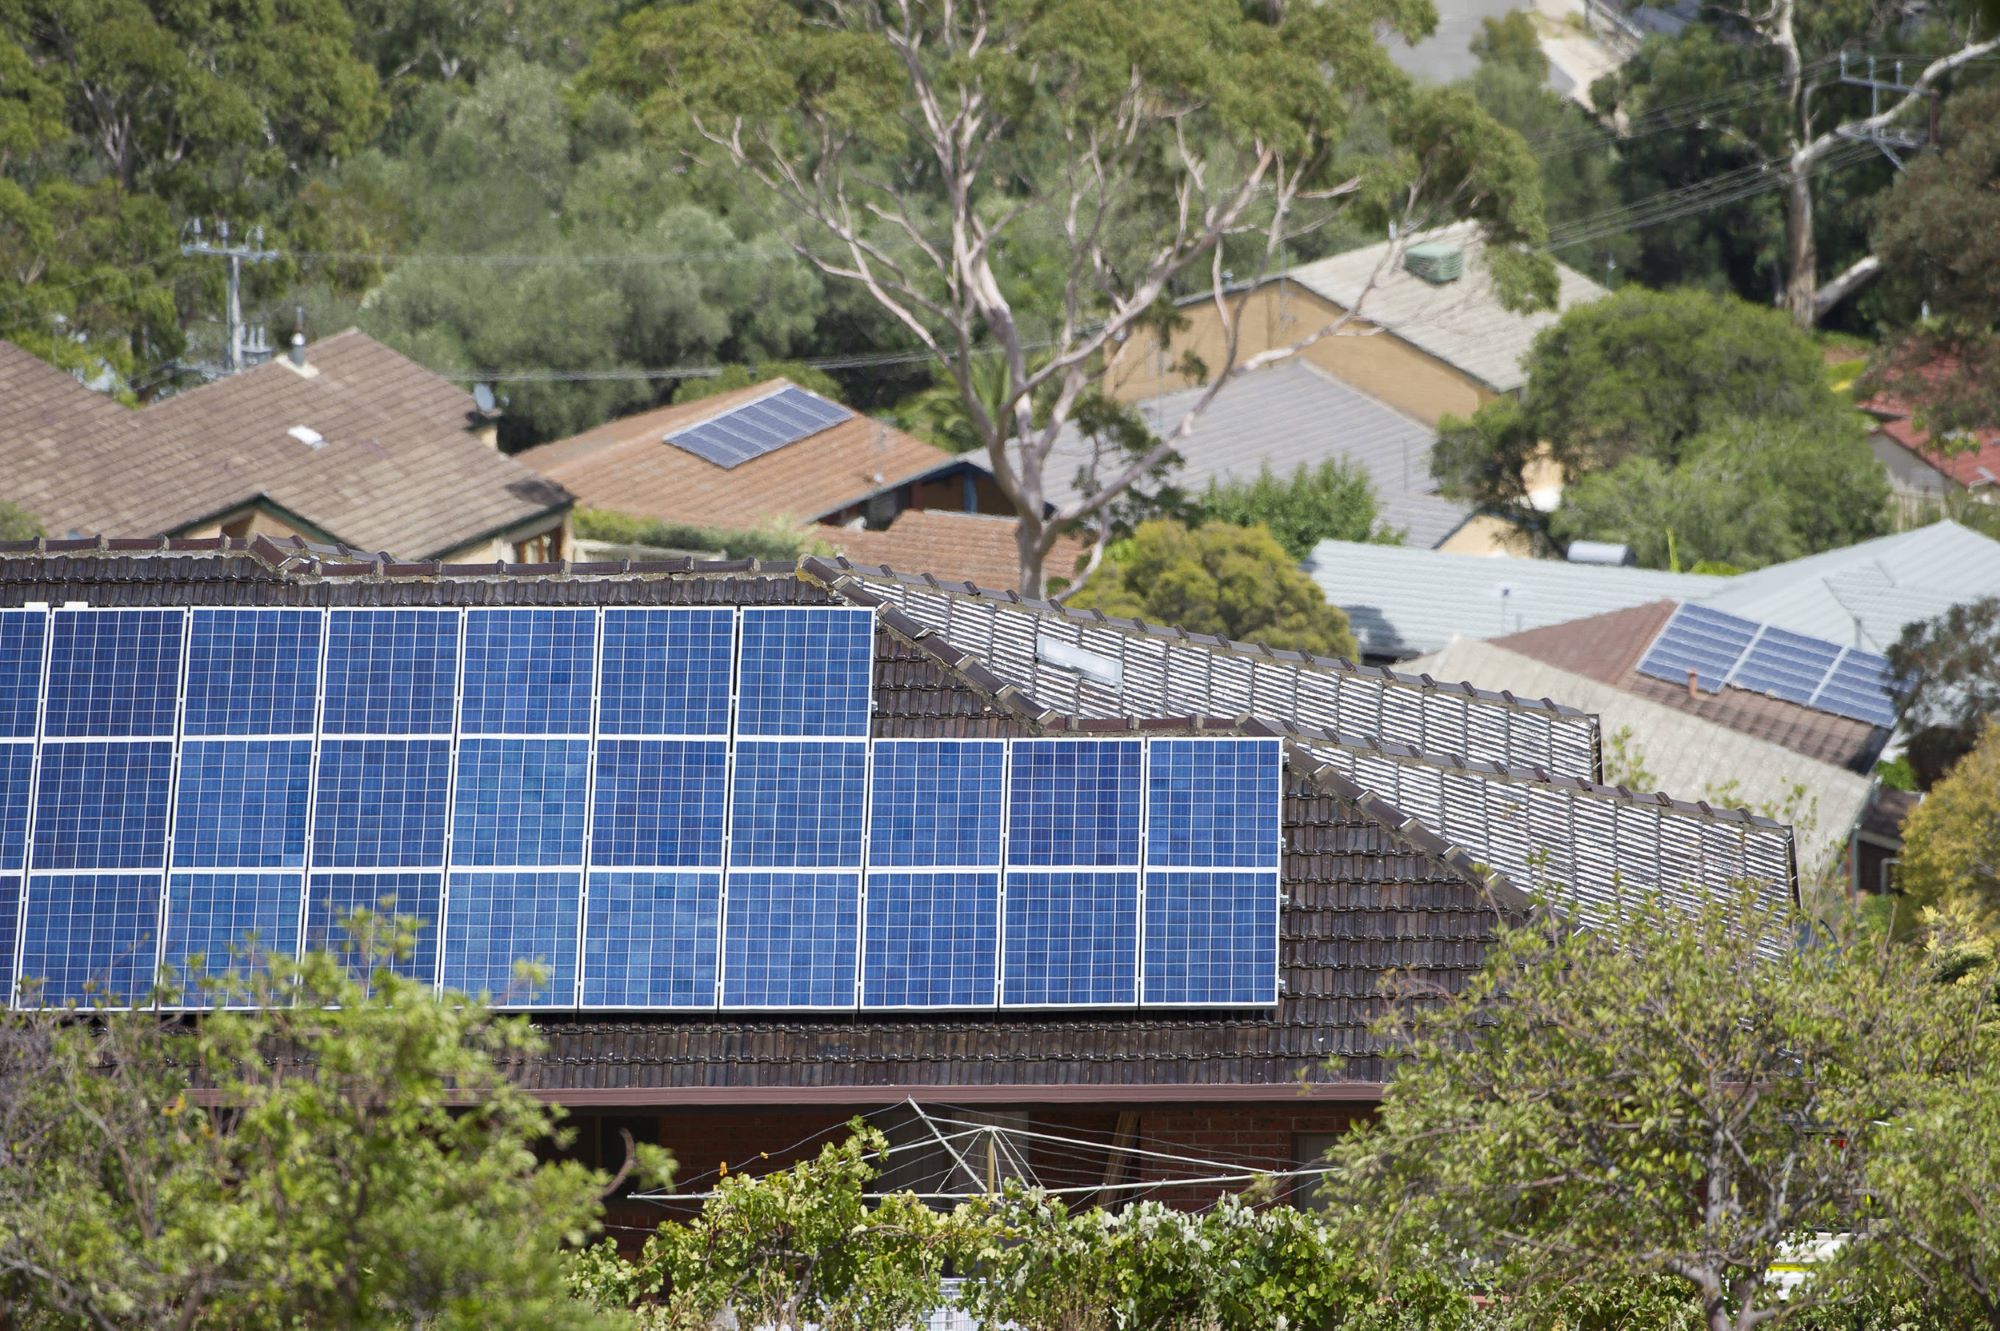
[(627, 466), (398, 468), (1608, 647), (969, 547)]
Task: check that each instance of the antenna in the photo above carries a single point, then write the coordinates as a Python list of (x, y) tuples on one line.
[(482, 397)]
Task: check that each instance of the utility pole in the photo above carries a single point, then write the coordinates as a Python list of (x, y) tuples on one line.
[(254, 252), (1888, 78)]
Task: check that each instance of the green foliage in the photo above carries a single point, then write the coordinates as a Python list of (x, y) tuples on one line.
[(1657, 1098), (17, 524), (360, 1159), (778, 541), (1330, 502), (1744, 495), (1952, 663), (1513, 42), (733, 377), (1951, 842), (1234, 581)]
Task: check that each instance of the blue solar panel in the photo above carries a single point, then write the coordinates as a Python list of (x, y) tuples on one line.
[(1785, 665), (21, 634), (520, 802), (331, 898), (790, 940), (805, 673), (228, 921), (252, 672), (1211, 937), (659, 803), (936, 803), (391, 672), (528, 672), (666, 672), (651, 939), (1861, 687), (17, 766), (103, 805), (1705, 641), (381, 803), (10, 923), (1072, 939), (759, 427), (241, 804), (1213, 803), (494, 920), (1074, 802), (91, 937), (114, 672), (932, 940), (798, 805)]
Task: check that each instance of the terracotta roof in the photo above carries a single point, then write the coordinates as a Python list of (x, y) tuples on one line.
[(968, 547), (627, 466), (1972, 463), (1607, 648), (396, 466)]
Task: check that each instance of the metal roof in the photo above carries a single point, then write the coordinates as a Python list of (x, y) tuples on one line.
[(1403, 602), (1462, 322)]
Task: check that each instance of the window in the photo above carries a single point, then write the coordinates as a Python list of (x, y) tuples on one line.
[(544, 548), (1309, 1152)]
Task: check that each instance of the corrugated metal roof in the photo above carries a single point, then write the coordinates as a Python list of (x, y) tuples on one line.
[(1687, 755), (1462, 323), (1403, 602), (1284, 417)]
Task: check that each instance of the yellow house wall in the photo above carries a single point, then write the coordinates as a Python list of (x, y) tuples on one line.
[(1280, 313)]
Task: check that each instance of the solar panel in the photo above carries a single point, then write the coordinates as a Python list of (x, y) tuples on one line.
[(1209, 935), (528, 672), (659, 803), (242, 804), (1785, 665), (391, 672), (519, 802), (1072, 938), (114, 673), (790, 940), (331, 898), (666, 672), (651, 940), (103, 805), (1763, 658), (1074, 802), (17, 766), (493, 921), (91, 937), (222, 921), (10, 924), (21, 636), (381, 803), (936, 803), (1705, 641), (805, 673), (798, 805), (1860, 686), (1213, 803), (759, 427), (253, 672)]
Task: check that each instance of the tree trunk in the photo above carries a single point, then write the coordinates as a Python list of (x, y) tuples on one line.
[(1801, 255), (1028, 541)]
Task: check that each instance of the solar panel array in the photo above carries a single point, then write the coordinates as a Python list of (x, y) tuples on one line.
[(665, 808), (756, 428), (1720, 649)]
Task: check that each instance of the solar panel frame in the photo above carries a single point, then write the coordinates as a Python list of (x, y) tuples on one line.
[(197, 923), (1709, 642), (117, 915), (141, 652), (496, 919), (500, 695), (1797, 668), (679, 912), (238, 655), (762, 425)]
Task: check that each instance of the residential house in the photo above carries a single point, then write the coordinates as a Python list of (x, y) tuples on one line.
[(349, 443), (1925, 469), (964, 547), (774, 900), (771, 455)]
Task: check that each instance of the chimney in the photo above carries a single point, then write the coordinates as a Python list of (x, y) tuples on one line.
[(1694, 678), (299, 349)]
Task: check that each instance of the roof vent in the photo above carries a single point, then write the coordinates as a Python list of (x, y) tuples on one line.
[(1437, 263), (308, 436), (1599, 552)]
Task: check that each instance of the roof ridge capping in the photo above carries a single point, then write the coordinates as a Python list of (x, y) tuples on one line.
[(831, 571)]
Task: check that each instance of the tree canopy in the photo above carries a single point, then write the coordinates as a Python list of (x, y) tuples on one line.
[(1951, 668), (1951, 841), (1235, 581), (1330, 502)]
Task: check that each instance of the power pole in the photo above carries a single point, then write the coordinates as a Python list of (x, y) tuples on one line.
[(237, 255), (1888, 78)]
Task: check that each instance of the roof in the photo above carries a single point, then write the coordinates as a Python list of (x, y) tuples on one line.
[(1681, 750), (1607, 648), (974, 547), (1972, 467), (627, 466), (397, 466), (1864, 595), (1462, 322), (1403, 602), (1284, 417)]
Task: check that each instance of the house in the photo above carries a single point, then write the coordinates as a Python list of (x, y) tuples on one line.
[(758, 819), (1924, 470), (769, 455), (961, 547), (350, 443), (1286, 416), (1404, 602), (1429, 335)]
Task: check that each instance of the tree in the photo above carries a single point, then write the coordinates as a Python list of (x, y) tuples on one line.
[(341, 1151), (1512, 40), (1951, 843), (1233, 581), (1020, 178), (17, 524), (1744, 495), (1639, 374), (1950, 666), (1330, 502), (1931, 238), (1668, 1093)]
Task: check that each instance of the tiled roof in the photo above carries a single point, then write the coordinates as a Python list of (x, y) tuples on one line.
[(1607, 648), (1462, 323), (627, 466), (1682, 749), (396, 468), (1374, 888), (1404, 602), (973, 547), (1974, 466), (1284, 417)]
